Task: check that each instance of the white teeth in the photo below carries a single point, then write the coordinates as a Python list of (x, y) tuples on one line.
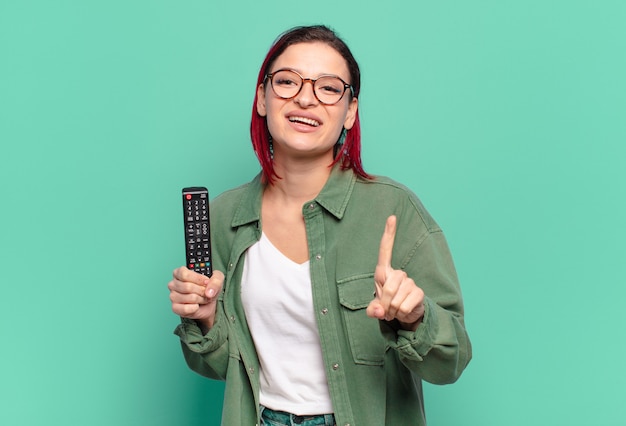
[(304, 120)]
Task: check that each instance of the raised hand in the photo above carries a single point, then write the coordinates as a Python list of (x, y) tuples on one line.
[(397, 296), (194, 296)]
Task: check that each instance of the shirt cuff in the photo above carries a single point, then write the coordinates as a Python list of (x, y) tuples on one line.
[(191, 335), (413, 344)]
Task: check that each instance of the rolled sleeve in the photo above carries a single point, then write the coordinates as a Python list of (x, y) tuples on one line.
[(191, 335), (413, 345), (206, 354)]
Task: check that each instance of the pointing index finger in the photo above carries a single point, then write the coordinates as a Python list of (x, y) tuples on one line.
[(386, 242)]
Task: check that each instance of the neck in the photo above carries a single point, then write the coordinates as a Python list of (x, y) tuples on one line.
[(300, 182)]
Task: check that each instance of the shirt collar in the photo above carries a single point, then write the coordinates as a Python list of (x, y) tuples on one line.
[(333, 197), (336, 193), (249, 209)]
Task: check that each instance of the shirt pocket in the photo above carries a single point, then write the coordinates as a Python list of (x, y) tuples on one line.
[(366, 341)]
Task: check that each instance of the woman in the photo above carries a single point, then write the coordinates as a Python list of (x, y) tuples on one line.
[(334, 294)]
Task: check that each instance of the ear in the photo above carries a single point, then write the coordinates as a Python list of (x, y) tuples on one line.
[(351, 114), (260, 101)]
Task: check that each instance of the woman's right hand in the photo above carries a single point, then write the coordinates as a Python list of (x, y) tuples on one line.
[(194, 295)]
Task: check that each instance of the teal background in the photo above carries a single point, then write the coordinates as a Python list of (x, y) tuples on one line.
[(506, 118)]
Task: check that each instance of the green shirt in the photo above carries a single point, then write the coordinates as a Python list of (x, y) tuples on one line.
[(374, 370)]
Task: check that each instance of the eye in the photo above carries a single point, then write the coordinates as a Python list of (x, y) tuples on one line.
[(330, 85), (284, 81), (330, 89)]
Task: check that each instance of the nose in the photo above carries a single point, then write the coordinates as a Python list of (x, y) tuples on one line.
[(306, 97)]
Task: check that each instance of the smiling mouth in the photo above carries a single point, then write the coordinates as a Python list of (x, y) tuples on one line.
[(304, 120)]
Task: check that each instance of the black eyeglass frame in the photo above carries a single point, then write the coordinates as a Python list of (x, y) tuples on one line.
[(270, 76)]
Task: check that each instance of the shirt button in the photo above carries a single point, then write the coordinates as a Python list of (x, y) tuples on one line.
[(311, 206), (251, 370), (324, 311), (232, 318), (230, 266), (335, 366), (318, 256)]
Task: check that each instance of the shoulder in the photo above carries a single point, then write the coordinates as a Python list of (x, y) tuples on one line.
[(237, 206), (230, 198), (383, 190)]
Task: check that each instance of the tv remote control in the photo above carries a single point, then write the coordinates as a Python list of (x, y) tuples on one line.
[(197, 230)]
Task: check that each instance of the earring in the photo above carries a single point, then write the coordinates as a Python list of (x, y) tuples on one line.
[(340, 142), (271, 147), (342, 137)]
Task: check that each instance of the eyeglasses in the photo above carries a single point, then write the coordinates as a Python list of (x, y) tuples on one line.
[(328, 89)]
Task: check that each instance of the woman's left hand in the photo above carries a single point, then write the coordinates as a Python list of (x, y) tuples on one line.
[(397, 296)]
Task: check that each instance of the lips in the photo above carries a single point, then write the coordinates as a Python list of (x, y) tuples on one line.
[(304, 120)]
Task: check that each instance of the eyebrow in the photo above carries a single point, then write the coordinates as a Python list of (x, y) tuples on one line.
[(302, 74)]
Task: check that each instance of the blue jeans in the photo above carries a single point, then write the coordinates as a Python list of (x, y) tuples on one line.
[(280, 418)]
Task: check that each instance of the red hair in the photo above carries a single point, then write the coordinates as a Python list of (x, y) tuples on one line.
[(347, 154)]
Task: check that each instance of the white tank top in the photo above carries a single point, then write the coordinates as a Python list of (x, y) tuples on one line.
[(278, 302)]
